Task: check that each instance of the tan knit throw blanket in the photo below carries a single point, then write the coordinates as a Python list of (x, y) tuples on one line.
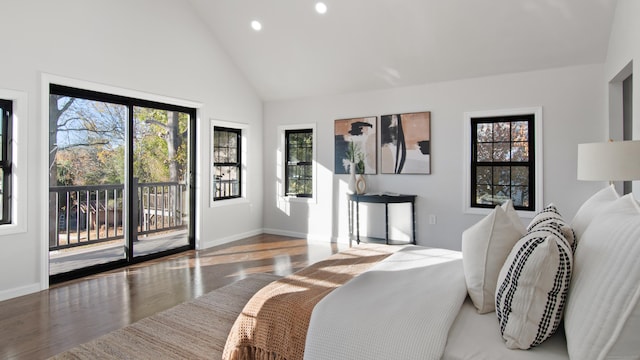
[(273, 325)]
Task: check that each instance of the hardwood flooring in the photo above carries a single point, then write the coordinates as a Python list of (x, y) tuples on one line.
[(40, 325)]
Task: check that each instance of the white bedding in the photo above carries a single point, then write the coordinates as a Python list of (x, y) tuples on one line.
[(476, 336), (360, 320)]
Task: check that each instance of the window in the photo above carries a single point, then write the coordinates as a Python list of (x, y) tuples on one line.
[(13, 153), (299, 161), (504, 160), (6, 107), (227, 163)]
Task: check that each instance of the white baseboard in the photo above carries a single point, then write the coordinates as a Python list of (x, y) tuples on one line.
[(317, 238), (205, 244), (285, 233), (19, 291)]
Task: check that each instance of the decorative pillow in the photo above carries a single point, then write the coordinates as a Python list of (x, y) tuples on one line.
[(602, 318), (551, 215), (533, 283), (485, 246), (513, 215), (592, 207)]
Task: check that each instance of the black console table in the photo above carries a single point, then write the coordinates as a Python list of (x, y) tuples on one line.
[(385, 199)]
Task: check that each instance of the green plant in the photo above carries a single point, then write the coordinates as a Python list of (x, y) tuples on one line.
[(355, 156)]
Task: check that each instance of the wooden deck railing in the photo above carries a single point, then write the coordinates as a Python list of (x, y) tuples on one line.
[(93, 214)]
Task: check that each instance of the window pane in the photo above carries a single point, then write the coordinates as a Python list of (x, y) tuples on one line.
[(233, 140), (485, 152), (501, 152), (223, 139), (519, 131), (484, 175), (501, 175), (501, 194), (484, 132), (483, 194), (520, 152), (502, 131), (226, 181), (520, 195), (216, 138), (520, 175)]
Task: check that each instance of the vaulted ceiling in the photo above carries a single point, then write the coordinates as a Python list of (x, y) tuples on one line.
[(361, 45)]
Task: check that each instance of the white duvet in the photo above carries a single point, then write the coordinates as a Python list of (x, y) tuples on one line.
[(402, 308)]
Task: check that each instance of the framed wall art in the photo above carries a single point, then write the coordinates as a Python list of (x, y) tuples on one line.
[(405, 143), (355, 142)]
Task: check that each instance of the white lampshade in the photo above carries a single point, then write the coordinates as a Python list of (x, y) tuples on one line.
[(609, 161)]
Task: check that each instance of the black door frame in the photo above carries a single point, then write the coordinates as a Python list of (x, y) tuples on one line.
[(131, 234)]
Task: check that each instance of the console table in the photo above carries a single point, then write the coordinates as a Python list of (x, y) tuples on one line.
[(385, 199)]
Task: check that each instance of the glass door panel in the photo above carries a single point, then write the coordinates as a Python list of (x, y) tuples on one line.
[(161, 174), (86, 183)]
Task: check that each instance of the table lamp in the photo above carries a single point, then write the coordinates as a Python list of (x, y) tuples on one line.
[(609, 161)]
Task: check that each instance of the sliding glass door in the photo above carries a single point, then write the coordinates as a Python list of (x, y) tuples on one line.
[(120, 181), (160, 174)]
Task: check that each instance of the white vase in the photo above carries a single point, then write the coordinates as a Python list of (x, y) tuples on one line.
[(361, 185), (352, 178)]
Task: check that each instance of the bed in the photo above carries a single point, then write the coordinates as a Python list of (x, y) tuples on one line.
[(550, 290)]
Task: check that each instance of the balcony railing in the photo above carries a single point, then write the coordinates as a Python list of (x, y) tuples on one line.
[(83, 215)]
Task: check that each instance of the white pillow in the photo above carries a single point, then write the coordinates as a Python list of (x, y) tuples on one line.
[(602, 318), (508, 208), (592, 207), (533, 282), (485, 246)]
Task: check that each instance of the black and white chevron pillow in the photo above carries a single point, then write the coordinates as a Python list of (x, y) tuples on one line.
[(534, 281)]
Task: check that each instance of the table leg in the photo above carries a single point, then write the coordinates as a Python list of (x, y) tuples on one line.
[(358, 222), (350, 212), (413, 215), (386, 223)]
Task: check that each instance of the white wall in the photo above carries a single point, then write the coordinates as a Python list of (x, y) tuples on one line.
[(573, 104), (624, 49), (157, 47)]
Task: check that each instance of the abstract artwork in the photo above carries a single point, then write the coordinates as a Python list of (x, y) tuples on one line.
[(355, 142), (405, 143)]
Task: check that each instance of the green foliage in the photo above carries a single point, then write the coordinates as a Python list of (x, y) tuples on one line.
[(89, 146), (356, 156)]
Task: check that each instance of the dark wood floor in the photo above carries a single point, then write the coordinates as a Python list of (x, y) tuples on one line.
[(40, 325)]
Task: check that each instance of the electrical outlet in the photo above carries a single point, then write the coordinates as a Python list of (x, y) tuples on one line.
[(432, 219)]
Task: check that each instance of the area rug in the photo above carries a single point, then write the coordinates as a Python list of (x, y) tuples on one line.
[(196, 329)]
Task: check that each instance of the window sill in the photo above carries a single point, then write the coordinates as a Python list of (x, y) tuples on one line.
[(229, 202), (11, 229), (486, 211), (308, 200)]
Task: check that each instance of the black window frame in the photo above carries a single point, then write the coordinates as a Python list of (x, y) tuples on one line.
[(6, 163), (530, 163), (237, 164), (292, 164)]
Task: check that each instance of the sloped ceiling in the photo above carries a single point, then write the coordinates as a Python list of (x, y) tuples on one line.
[(361, 45)]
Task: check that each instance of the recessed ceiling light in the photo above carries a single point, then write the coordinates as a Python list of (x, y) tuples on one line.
[(255, 24), (321, 8)]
